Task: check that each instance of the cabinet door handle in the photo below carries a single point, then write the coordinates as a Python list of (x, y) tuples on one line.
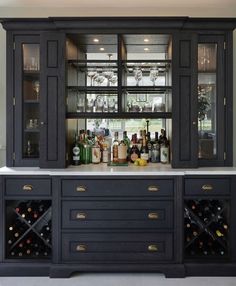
[(27, 188), (81, 247), (81, 189), (207, 187), (152, 248), (153, 215), (153, 189), (81, 215)]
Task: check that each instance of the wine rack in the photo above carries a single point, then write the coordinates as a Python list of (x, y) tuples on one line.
[(206, 228), (28, 229)]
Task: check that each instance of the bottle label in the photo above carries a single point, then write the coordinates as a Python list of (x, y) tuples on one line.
[(164, 154), (105, 156), (96, 155), (133, 157), (115, 153), (76, 150), (122, 152), (76, 153)]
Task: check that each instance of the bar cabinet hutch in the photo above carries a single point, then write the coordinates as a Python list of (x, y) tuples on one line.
[(175, 72)]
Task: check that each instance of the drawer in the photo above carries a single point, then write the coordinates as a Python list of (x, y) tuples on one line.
[(116, 187), (117, 214), (117, 247), (28, 187), (205, 186)]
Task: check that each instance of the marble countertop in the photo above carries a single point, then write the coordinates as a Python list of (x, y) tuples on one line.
[(131, 170)]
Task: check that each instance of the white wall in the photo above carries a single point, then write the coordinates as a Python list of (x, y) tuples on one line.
[(96, 11)]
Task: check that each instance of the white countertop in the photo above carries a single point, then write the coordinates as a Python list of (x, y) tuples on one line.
[(131, 170)]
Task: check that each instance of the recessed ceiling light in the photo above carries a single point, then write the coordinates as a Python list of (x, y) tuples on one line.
[(96, 40), (102, 49), (146, 49), (146, 40)]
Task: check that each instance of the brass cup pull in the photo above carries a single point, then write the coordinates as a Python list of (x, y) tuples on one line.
[(27, 188), (153, 189), (81, 216), (81, 247), (152, 248), (81, 189), (153, 215), (207, 187)]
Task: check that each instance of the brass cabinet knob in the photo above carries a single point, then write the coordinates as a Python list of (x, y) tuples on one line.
[(207, 187), (81, 215), (153, 215), (27, 188), (153, 189), (80, 189), (81, 247), (152, 248)]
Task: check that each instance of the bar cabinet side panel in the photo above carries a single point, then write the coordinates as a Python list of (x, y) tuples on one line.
[(52, 113)]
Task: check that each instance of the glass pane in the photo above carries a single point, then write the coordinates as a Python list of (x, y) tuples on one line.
[(146, 73), (207, 120), (31, 95)]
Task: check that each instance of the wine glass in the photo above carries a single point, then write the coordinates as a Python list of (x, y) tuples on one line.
[(113, 80), (99, 79), (108, 74), (91, 74), (154, 72), (137, 75)]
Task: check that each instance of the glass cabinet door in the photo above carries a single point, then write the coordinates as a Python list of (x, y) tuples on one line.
[(31, 88), (211, 99), (27, 97)]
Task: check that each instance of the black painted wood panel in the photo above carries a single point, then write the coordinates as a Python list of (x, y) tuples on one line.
[(52, 144), (184, 133)]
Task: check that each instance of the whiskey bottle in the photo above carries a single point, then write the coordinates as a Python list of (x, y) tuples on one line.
[(134, 151), (115, 145), (122, 152), (144, 153)]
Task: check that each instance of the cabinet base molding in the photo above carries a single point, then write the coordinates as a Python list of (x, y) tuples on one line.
[(169, 270)]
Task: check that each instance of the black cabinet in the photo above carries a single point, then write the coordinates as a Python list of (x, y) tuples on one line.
[(56, 225), (63, 72), (27, 205)]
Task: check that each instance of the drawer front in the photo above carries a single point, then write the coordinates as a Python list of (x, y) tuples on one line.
[(204, 186), (117, 247), (117, 214), (116, 187), (28, 187)]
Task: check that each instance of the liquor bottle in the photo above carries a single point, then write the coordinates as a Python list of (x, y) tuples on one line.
[(96, 152), (105, 154), (122, 152), (164, 149), (86, 150), (144, 153), (127, 143), (115, 145), (76, 160), (155, 154), (134, 151), (149, 146)]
